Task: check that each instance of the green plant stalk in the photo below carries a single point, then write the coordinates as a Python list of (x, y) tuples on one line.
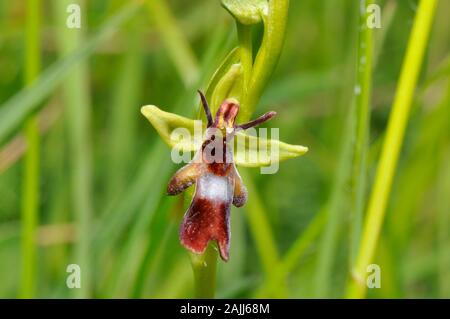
[(268, 54), (30, 191), (363, 94), (246, 55), (77, 107), (392, 145), (204, 267), (174, 40)]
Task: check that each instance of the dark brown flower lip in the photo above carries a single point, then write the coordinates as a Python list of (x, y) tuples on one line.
[(206, 220)]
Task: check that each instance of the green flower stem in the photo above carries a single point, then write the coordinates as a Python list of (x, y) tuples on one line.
[(246, 55), (204, 267), (268, 55), (30, 198), (392, 145)]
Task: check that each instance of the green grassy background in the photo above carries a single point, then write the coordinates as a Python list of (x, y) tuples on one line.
[(101, 171)]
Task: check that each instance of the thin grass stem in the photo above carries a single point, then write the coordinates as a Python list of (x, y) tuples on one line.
[(392, 146), (30, 198)]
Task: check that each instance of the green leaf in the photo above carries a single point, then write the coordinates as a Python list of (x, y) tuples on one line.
[(229, 86), (247, 11), (231, 59), (250, 151)]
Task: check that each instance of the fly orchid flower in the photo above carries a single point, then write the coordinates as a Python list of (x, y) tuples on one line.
[(213, 170)]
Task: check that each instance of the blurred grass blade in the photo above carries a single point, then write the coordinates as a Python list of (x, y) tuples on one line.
[(174, 41), (339, 196), (387, 16), (115, 221), (279, 275), (119, 280), (392, 145), (443, 223), (125, 105), (78, 120), (30, 192), (363, 89), (18, 107), (157, 243), (261, 230), (414, 182), (178, 281), (334, 208), (443, 202)]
